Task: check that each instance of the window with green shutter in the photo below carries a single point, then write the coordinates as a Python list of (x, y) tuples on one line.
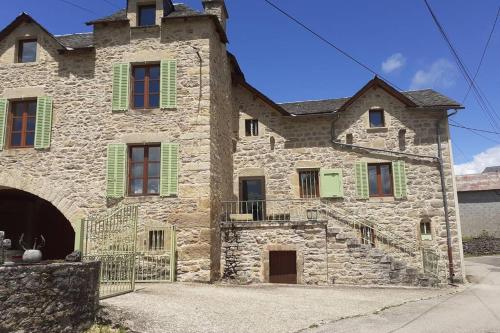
[(362, 189), (399, 175), (169, 182), (43, 127), (331, 184), (116, 166), (3, 121), (168, 84), (121, 77)]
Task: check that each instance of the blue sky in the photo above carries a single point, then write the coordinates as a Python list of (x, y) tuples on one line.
[(396, 38)]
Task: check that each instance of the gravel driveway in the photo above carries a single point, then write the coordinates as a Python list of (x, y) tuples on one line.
[(259, 308)]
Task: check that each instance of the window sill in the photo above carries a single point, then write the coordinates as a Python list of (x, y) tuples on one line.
[(377, 130), (382, 199), (146, 27)]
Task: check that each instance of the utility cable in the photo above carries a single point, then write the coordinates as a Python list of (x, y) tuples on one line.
[(78, 6)]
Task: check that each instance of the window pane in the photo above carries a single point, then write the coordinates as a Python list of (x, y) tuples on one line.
[(154, 153), (372, 176), (17, 110), (154, 86), (137, 170), (17, 124), (139, 101), (376, 119), (147, 15), (139, 87), (31, 124), (15, 139), (30, 138), (137, 154), (136, 186), (28, 51), (31, 108), (154, 72), (385, 171), (154, 101), (153, 170), (153, 186), (139, 73)]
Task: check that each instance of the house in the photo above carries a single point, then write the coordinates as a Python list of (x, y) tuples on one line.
[(150, 109), (479, 203)]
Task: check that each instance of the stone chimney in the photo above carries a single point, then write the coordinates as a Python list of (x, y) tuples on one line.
[(217, 8)]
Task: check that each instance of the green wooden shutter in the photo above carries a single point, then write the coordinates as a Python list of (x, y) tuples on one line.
[(116, 166), (362, 188), (43, 126), (169, 182), (168, 84), (399, 176), (121, 77), (3, 121), (331, 184)]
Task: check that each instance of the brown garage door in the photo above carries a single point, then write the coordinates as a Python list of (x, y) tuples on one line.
[(283, 267)]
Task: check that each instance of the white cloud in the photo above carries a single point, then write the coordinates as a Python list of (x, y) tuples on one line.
[(442, 73), (489, 157), (394, 62)]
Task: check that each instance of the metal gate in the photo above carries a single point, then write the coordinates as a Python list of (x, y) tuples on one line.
[(155, 255), (111, 239)]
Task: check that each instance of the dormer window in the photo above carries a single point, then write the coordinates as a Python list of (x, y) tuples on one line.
[(26, 50), (377, 118), (146, 15)]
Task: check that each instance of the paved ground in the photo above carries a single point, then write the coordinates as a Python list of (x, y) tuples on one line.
[(477, 309), (264, 308)]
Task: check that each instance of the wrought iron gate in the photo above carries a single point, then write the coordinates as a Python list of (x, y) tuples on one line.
[(111, 239)]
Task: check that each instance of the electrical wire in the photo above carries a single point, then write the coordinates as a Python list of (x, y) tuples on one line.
[(112, 4), (472, 129), (479, 134), (484, 53), (78, 6)]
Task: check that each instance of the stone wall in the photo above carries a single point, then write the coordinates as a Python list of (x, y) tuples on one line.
[(291, 143), (72, 173), (481, 245), (480, 212), (57, 297)]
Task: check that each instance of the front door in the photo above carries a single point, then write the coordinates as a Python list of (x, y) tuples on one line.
[(283, 267), (252, 197)]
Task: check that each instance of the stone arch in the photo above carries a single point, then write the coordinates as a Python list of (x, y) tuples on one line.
[(44, 189)]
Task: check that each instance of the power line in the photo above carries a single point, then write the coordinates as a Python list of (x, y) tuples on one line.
[(78, 6), (479, 134), (112, 4), (464, 71), (484, 52), (473, 129)]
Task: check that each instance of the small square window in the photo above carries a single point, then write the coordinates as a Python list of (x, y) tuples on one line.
[(156, 240), (251, 127), (26, 50), (377, 118), (367, 236), (309, 183), (147, 15), (425, 230)]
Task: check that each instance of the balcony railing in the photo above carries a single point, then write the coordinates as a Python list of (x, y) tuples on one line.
[(272, 210)]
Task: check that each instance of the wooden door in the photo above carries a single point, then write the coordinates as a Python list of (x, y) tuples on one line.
[(283, 267)]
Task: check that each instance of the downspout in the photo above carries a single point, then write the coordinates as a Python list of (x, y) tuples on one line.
[(438, 159), (445, 196)]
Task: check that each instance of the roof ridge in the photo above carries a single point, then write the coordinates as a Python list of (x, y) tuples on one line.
[(75, 33)]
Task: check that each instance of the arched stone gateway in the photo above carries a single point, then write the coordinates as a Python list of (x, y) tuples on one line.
[(22, 212)]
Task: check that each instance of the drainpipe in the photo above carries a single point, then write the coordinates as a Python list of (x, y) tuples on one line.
[(445, 196), (438, 159)]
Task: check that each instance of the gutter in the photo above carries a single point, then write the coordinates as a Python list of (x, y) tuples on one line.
[(438, 159)]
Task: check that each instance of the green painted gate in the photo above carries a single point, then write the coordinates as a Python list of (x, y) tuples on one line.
[(127, 255), (111, 239)]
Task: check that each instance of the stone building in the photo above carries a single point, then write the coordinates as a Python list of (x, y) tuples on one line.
[(151, 109), (479, 203)]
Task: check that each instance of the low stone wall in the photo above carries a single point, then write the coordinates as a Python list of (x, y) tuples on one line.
[(483, 245), (55, 297)]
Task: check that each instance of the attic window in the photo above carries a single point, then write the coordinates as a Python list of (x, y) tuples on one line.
[(377, 118), (147, 15), (26, 50)]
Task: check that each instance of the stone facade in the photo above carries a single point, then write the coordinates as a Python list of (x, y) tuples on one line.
[(58, 297), (208, 123)]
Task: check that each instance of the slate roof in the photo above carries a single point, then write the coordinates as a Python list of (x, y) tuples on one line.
[(492, 169), (76, 41), (423, 98), (181, 10), (481, 182)]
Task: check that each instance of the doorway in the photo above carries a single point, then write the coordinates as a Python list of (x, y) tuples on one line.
[(283, 267), (252, 197)]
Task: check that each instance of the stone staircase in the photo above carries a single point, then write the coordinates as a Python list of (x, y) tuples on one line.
[(352, 262)]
